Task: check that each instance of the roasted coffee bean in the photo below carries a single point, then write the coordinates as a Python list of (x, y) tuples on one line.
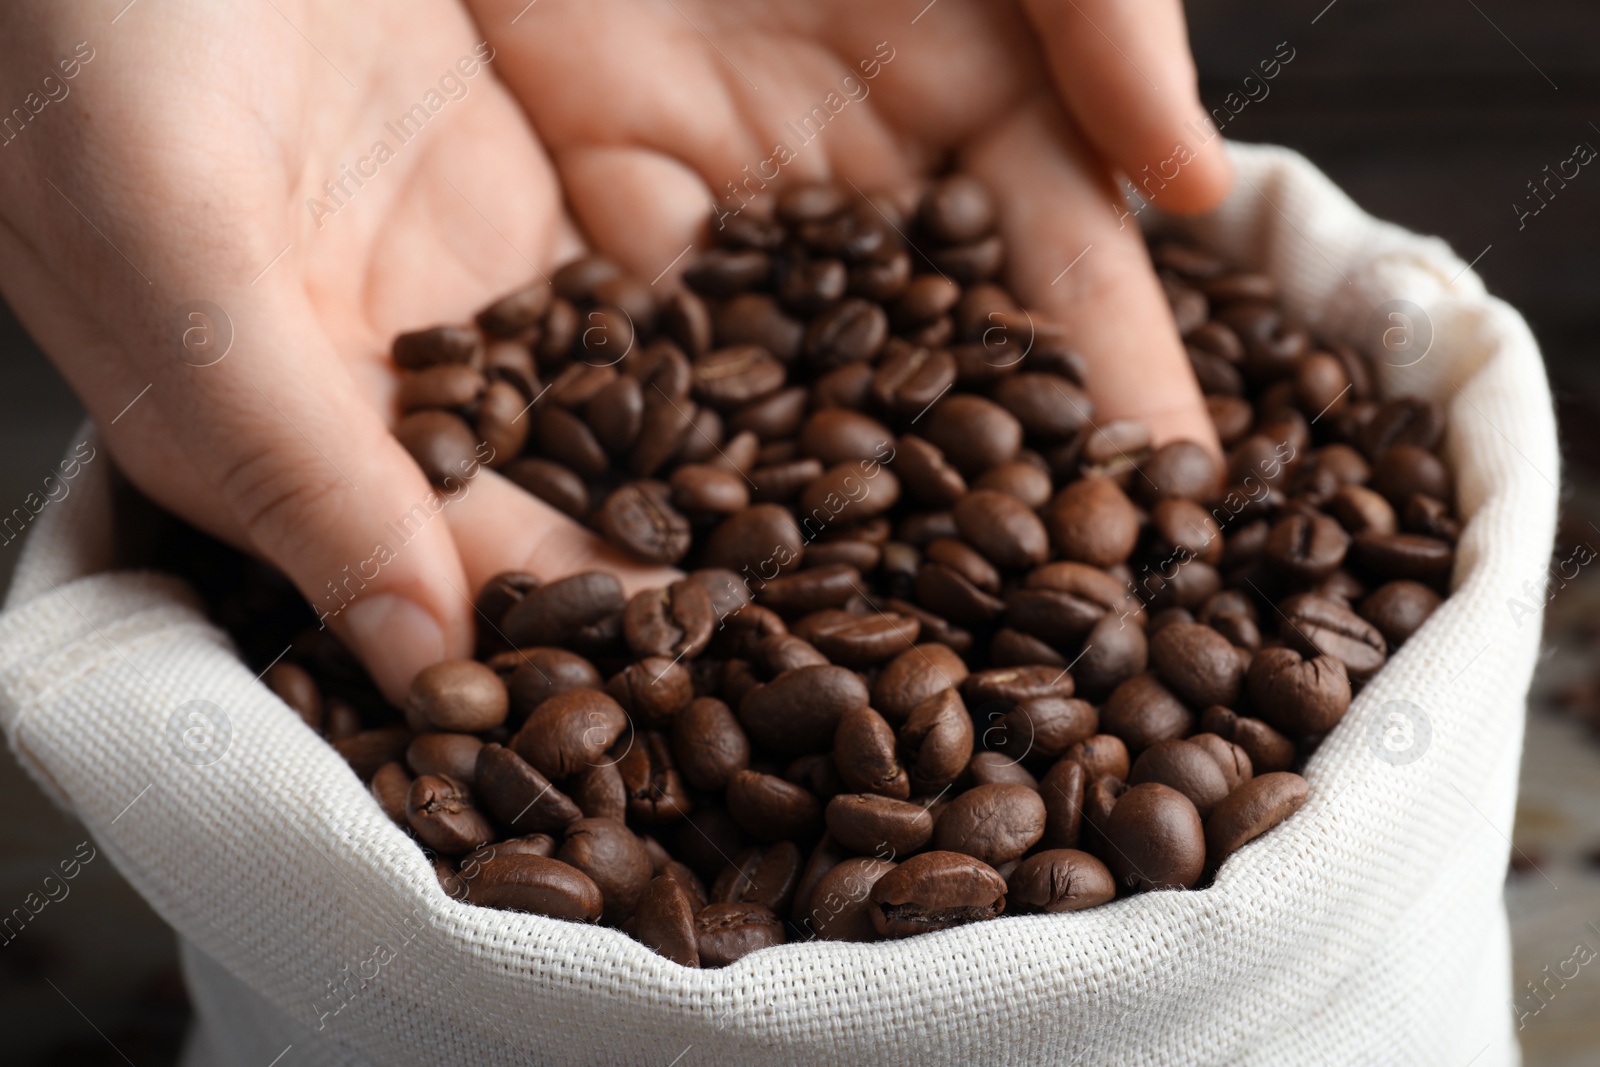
[(291, 684), (535, 884), (517, 311), (909, 378), (1250, 811), (440, 344), (1181, 469), (448, 755), (723, 272), (988, 768), (456, 695), (656, 794), (1062, 790), (367, 750), (858, 640), (561, 436), (1391, 556), (1101, 755), (540, 673), (1026, 482), (839, 907), (552, 483), (1267, 748), (562, 612), (664, 921), (676, 621), (771, 809), (687, 320), (652, 691), (1013, 648), (729, 932), (1042, 728), (1012, 685), (799, 710), (570, 731), (442, 444), (935, 891), (1114, 650), (728, 378), (1231, 758), (1408, 421), (965, 561), (1315, 626), (956, 211), (878, 825), (1093, 522), (599, 791), (936, 741), (837, 435), (442, 814), (761, 542), (766, 875), (1061, 879), (1142, 711), (756, 319), (1186, 767), (1399, 609), (851, 331), (1360, 510), (926, 475), (390, 787), (1156, 839), (639, 517), (1299, 696), (1197, 663), (812, 589), (1307, 547), (445, 385), (973, 433), (709, 744), (864, 752), (995, 823), (1003, 528), (519, 796), (913, 676), (1049, 407), (614, 857)]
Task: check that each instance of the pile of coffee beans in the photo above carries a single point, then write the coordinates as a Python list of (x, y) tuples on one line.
[(948, 646)]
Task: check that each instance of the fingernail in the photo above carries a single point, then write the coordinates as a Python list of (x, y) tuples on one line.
[(395, 638)]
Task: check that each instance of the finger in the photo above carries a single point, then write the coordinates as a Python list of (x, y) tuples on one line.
[(1076, 256), (1126, 75)]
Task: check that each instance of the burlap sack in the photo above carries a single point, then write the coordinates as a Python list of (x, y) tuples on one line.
[(1367, 929)]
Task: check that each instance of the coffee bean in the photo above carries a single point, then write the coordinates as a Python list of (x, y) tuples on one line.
[(664, 921), (766, 875), (858, 640), (936, 741), (769, 808), (1156, 839), (878, 825), (972, 432), (837, 435), (676, 621), (1197, 663), (1315, 626), (442, 444), (851, 331), (561, 436), (909, 378), (799, 710), (724, 272), (956, 211), (441, 813), (539, 673), (535, 884), (552, 483), (1042, 728), (1186, 767), (390, 787), (294, 686), (995, 823), (812, 589), (1057, 880), (1229, 757), (1299, 696), (1252, 810), (1062, 790), (1101, 755), (448, 755), (518, 795), (459, 695), (1391, 556), (655, 792), (709, 744), (1407, 421), (759, 542), (925, 473), (1013, 685), (1013, 648), (935, 891), (1399, 609), (839, 906), (1092, 521), (640, 518), (1003, 528), (444, 385), (1307, 547), (599, 791), (1267, 748), (1181, 469), (367, 750), (756, 319), (440, 344), (562, 611), (729, 932), (913, 676), (1049, 407), (864, 752), (1114, 650), (1142, 711), (614, 857), (653, 691), (570, 731)]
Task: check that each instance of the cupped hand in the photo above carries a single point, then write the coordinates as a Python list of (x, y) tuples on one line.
[(653, 111), (230, 153)]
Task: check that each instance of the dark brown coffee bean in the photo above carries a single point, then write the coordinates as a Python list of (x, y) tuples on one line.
[(864, 752), (676, 621), (517, 311), (747, 229), (664, 921), (519, 796), (1042, 728), (758, 543), (1062, 790), (965, 561), (656, 794), (390, 787), (1399, 609), (957, 210), (1233, 760), (1093, 521), (561, 611), (653, 691), (1181, 469), (570, 731), (858, 640), (972, 432), (639, 517), (878, 825), (913, 676), (1057, 880), (500, 423), (806, 287), (812, 589), (1306, 547), (1252, 810), (1197, 663), (1101, 755), (440, 344), (838, 908), (599, 791), (1391, 556), (1188, 768), (927, 298), (729, 932), (721, 272), (577, 279), (614, 857), (935, 891), (765, 875), (771, 809), (1299, 696), (291, 684), (1268, 749), (1315, 626), (1049, 407), (536, 884), (1013, 648), (1003, 528), (799, 710), (995, 823), (1360, 510), (615, 413), (1114, 650), (782, 482), (709, 744), (1012, 685), (1028, 483), (1156, 839), (687, 320), (970, 263), (442, 444), (729, 378), (1142, 711), (457, 695), (539, 673), (1407, 421), (367, 750), (561, 436), (851, 331), (552, 483), (448, 755), (926, 475), (445, 385), (936, 741), (837, 435), (756, 319), (442, 815)]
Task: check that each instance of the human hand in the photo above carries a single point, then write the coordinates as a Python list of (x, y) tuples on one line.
[(184, 159), (653, 111)]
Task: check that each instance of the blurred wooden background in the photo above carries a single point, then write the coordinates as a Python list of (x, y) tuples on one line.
[(1435, 114)]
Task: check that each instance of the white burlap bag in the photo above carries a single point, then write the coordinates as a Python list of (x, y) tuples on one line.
[(1367, 929)]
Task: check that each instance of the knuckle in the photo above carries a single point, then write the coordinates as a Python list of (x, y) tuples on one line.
[(279, 503)]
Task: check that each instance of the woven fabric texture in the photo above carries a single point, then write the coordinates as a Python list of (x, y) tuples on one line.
[(1369, 928)]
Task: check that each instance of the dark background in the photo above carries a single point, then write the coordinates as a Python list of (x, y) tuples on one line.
[(1434, 114)]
